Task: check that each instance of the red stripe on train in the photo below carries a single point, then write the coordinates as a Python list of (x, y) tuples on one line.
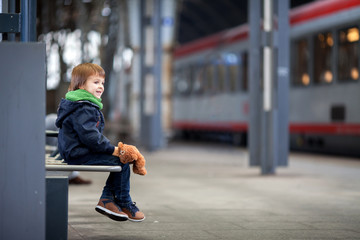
[(320, 9), (225, 37), (326, 128), (218, 126), (297, 15), (314, 128)]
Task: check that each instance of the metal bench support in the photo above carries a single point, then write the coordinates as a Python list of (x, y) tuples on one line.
[(56, 207)]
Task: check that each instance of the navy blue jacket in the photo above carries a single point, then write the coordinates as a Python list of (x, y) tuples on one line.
[(81, 125)]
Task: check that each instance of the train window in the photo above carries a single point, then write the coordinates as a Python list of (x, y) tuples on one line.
[(348, 57), (232, 70), (221, 77), (198, 85), (190, 77), (323, 45), (244, 71), (182, 81), (209, 77), (233, 77), (180, 84), (300, 64)]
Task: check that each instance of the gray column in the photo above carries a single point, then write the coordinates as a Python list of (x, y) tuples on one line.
[(151, 50), (22, 141), (28, 20), (254, 120), (268, 122), (283, 73)]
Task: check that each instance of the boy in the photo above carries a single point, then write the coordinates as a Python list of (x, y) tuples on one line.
[(81, 142)]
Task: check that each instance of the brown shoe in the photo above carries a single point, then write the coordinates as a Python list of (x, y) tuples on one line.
[(108, 208), (133, 212), (79, 180)]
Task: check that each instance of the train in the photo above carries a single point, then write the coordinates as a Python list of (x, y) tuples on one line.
[(210, 81)]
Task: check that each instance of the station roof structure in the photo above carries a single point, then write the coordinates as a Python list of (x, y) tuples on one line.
[(200, 18), (194, 18)]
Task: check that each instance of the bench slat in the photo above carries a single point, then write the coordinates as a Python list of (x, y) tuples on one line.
[(50, 133), (88, 168)]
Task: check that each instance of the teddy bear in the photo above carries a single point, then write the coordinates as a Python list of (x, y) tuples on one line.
[(130, 154)]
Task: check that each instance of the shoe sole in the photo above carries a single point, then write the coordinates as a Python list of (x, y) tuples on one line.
[(110, 214), (136, 220)]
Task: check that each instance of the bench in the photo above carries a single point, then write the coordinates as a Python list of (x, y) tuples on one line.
[(55, 163), (57, 173)]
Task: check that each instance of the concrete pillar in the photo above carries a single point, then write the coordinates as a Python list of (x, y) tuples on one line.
[(22, 140)]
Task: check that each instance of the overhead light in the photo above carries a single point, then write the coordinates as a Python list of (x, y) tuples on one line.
[(353, 34), (328, 76), (305, 79), (355, 73), (329, 40)]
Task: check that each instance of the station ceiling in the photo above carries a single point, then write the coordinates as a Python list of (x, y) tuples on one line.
[(58, 20), (194, 18), (199, 18)]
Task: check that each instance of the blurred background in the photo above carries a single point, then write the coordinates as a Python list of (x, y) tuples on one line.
[(204, 68)]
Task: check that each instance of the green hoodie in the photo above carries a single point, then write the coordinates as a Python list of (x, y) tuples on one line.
[(81, 94)]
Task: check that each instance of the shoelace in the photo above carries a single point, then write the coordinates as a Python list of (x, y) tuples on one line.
[(133, 208)]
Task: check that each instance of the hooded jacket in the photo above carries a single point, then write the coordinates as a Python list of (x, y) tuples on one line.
[(81, 124)]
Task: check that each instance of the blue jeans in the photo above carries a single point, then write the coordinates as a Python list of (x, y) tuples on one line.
[(118, 183)]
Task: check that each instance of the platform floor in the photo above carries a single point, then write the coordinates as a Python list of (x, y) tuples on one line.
[(208, 191)]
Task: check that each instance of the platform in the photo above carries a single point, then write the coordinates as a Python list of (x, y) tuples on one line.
[(208, 191)]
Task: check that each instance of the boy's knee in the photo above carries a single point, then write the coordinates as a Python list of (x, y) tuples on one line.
[(125, 166)]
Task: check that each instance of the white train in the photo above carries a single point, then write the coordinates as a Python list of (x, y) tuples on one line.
[(211, 95)]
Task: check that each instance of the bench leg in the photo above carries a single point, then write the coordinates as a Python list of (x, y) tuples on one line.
[(56, 207)]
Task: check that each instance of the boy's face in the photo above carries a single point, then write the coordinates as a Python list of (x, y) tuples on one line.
[(94, 85)]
